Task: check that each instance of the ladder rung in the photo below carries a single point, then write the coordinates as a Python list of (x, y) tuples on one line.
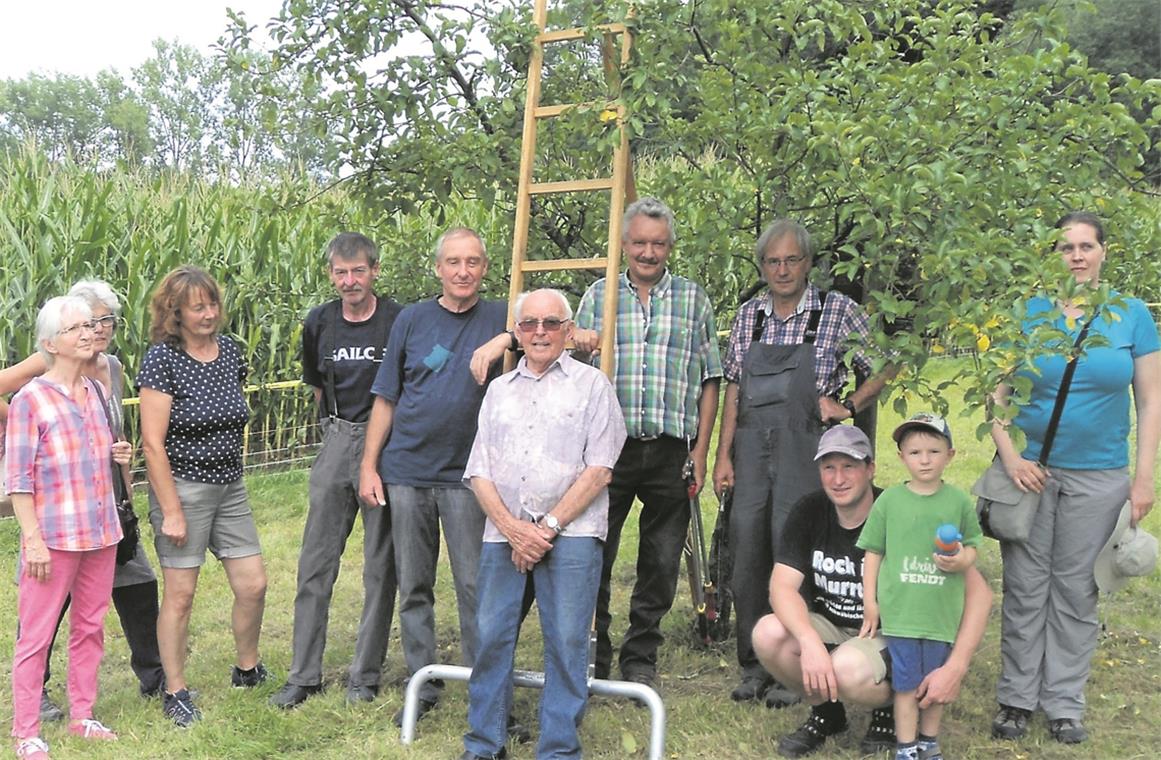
[(559, 265), (576, 33), (571, 186), (548, 112)]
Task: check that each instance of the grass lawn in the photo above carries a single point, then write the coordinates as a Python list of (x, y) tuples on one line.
[(1124, 693)]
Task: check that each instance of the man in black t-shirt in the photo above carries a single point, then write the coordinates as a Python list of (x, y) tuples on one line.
[(811, 641), (342, 347)]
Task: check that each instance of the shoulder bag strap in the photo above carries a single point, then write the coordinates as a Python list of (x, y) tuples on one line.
[(120, 489), (1061, 395)]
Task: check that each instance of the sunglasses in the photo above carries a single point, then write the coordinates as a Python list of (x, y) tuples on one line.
[(550, 324)]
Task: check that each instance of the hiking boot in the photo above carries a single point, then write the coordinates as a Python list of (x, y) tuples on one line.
[(778, 696), (880, 734), (50, 711), (92, 729), (751, 688), (292, 695), (1010, 723), (425, 706), (517, 731), (1067, 730), (248, 679), (180, 708), (810, 736)]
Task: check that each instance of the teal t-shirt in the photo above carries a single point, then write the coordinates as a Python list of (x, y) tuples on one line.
[(917, 600)]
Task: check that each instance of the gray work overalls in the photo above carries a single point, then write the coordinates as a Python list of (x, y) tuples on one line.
[(773, 453)]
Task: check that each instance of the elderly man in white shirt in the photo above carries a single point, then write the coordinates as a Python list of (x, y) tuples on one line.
[(549, 434)]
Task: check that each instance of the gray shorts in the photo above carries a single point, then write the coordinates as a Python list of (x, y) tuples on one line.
[(217, 518)]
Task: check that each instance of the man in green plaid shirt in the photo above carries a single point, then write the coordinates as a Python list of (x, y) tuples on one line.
[(667, 374)]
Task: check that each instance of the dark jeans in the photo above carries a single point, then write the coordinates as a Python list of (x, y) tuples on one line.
[(649, 471), (137, 608)]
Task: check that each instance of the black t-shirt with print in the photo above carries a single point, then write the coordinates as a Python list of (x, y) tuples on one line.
[(814, 544), (208, 416)]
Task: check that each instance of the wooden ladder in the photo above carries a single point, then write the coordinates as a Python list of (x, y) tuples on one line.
[(620, 184)]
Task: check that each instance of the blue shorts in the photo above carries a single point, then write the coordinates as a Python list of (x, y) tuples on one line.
[(913, 659)]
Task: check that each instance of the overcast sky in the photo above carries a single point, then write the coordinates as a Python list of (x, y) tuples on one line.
[(83, 37)]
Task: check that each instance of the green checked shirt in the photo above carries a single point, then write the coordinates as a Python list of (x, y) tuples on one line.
[(664, 354)]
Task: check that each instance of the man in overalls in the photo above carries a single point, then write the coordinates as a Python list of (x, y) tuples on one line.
[(784, 375)]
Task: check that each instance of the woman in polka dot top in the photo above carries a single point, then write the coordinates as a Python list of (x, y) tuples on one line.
[(193, 415)]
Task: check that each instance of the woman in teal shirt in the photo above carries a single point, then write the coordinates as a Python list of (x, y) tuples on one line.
[(1050, 620)]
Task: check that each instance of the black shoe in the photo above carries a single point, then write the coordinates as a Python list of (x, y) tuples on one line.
[(361, 693), (642, 676), (1010, 723), (50, 711), (503, 753), (880, 734), (180, 708), (751, 688), (517, 731), (425, 706), (248, 679), (778, 696), (1067, 730), (292, 695), (810, 736)]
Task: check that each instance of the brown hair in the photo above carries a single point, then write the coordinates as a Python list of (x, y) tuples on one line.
[(174, 292)]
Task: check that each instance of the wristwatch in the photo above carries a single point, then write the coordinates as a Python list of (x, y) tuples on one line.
[(553, 524), (849, 406)]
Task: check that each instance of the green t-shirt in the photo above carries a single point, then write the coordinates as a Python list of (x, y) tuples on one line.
[(917, 600)]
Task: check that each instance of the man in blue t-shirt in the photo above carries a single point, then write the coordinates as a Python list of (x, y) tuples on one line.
[(425, 409)]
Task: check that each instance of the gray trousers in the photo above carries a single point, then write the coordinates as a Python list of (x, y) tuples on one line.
[(334, 502), (1050, 624), (416, 515)]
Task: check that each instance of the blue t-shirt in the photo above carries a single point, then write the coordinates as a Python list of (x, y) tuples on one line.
[(1094, 427), (208, 416), (426, 374)]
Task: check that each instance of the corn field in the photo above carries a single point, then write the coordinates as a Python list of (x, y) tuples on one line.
[(60, 222)]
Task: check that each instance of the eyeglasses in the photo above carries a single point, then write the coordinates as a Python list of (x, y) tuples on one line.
[(790, 262), (550, 324), (109, 320), (90, 325)]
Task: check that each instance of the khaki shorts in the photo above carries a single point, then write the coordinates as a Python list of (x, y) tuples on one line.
[(217, 517), (874, 650)]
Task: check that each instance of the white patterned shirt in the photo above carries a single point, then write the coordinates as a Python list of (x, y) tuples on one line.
[(537, 435)]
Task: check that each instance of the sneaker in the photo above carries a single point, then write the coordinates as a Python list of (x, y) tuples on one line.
[(359, 693), (425, 706), (50, 711), (810, 736), (1010, 723), (32, 748), (931, 753), (517, 731), (750, 689), (180, 708), (1067, 730), (292, 695), (880, 735), (778, 696), (92, 729), (248, 679)]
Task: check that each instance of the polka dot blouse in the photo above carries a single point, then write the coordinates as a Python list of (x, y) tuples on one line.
[(209, 411)]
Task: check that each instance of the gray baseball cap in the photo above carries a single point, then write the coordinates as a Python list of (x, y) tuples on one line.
[(845, 439), (928, 421)]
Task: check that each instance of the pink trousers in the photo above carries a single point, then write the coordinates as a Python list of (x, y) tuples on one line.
[(88, 576)]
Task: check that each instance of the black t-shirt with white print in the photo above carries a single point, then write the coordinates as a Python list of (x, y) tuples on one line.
[(814, 544)]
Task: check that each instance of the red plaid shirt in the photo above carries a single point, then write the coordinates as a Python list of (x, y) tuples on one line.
[(61, 453)]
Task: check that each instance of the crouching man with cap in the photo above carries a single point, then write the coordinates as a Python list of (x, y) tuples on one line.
[(549, 434), (811, 641)]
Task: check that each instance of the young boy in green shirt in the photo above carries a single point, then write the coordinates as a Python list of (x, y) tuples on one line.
[(920, 593)]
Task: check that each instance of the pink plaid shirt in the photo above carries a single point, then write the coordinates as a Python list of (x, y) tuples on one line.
[(61, 454)]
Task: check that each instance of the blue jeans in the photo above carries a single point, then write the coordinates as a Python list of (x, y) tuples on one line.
[(416, 514), (566, 594)]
